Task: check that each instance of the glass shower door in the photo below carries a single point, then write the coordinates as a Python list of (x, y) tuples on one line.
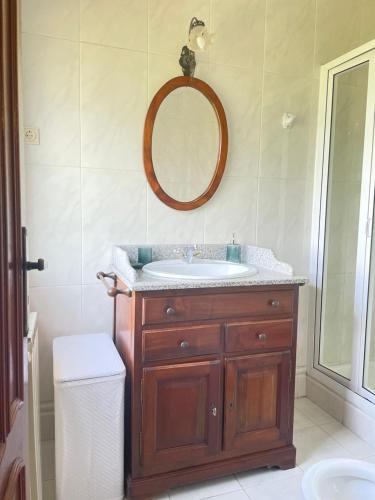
[(369, 362), (340, 244)]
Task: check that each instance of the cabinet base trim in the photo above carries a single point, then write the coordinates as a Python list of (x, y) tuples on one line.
[(143, 488)]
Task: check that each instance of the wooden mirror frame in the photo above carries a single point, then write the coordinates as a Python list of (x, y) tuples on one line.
[(163, 92)]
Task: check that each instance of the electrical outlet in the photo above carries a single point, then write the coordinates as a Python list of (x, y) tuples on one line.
[(31, 135)]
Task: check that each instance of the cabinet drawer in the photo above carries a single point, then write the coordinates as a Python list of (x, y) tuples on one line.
[(257, 335), (173, 343), (223, 305)]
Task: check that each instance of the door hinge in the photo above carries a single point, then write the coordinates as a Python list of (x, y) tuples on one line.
[(141, 391)]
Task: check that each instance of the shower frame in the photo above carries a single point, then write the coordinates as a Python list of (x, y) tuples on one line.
[(352, 390)]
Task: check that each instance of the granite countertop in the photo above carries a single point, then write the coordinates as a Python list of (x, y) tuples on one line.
[(270, 270)]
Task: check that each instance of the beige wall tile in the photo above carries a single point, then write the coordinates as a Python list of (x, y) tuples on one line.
[(94, 299), (169, 24), (54, 224), (241, 98), (337, 28), (51, 99), (54, 18), (119, 23), (285, 153), (113, 107), (232, 210), (239, 27), (166, 225), (367, 20), (290, 29), (59, 313), (163, 67), (113, 211), (282, 220)]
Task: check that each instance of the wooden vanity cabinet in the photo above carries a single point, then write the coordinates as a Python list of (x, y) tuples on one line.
[(209, 383)]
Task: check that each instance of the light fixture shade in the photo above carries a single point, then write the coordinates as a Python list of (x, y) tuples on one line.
[(199, 39)]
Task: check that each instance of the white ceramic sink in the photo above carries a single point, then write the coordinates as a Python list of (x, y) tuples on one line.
[(198, 269)]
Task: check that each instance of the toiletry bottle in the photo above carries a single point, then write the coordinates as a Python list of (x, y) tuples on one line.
[(233, 251)]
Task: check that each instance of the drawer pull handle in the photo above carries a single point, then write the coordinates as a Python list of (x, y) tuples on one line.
[(275, 303), (262, 336), (170, 311), (184, 344), (213, 410)]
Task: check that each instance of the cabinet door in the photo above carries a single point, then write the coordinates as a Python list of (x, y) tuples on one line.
[(257, 402), (181, 416)]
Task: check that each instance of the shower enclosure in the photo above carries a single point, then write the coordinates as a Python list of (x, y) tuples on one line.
[(344, 243)]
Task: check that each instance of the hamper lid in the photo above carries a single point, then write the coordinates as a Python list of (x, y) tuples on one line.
[(82, 357)]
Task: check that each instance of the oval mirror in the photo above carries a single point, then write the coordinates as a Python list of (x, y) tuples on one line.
[(185, 143)]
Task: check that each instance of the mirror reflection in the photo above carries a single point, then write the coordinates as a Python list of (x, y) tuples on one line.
[(185, 144)]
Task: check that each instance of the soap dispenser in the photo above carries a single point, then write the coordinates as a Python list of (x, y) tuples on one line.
[(233, 251)]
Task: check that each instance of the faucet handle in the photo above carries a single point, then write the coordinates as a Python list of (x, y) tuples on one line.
[(187, 252), (195, 249)]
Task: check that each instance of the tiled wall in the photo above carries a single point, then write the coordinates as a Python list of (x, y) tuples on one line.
[(90, 67)]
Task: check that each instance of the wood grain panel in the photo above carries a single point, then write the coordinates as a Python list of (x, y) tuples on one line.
[(171, 343), (12, 408), (257, 401), (169, 441), (15, 489), (178, 402), (216, 306), (258, 335)]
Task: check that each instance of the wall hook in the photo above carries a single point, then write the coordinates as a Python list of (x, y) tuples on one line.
[(288, 120)]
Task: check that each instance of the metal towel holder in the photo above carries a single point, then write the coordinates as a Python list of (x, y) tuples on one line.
[(112, 291)]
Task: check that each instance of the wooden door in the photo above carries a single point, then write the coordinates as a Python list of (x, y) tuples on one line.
[(12, 411), (257, 402), (181, 415)]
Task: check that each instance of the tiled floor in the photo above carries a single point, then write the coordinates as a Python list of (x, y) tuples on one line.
[(316, 436)]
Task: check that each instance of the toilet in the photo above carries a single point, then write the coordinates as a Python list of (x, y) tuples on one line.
[(340, 479)]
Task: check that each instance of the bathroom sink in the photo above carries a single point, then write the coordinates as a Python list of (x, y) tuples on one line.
[(198, 269)]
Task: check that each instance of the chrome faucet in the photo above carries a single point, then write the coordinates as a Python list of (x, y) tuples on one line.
[(188, 253)]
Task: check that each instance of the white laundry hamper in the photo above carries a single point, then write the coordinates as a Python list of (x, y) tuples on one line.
[(89, 380)]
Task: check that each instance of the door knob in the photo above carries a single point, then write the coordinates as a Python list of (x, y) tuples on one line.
[(38, 265)]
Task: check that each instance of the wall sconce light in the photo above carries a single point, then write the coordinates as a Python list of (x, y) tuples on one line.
[(288, 120), (199, 40)]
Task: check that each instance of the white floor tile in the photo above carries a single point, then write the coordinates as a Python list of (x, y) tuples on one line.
[(206, 489), (48, 490), (314, 444), (235, 495), (350, 441), (285, 489), (317, 436), (48, 460), (313, 412), (301, 421), (260, 476)]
